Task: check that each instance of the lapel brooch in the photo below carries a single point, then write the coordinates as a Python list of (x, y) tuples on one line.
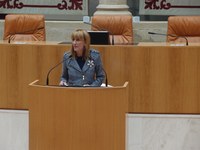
[(90, 63)]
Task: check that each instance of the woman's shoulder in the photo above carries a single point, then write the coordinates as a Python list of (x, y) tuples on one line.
[(67, 54), (94, 53)]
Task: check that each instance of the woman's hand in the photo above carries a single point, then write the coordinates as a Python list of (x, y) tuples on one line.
[(63, 83)]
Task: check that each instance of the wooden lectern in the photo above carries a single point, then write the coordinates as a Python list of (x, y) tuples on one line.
[(67, 118)]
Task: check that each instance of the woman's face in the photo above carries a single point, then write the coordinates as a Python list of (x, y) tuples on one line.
[(78, 45)]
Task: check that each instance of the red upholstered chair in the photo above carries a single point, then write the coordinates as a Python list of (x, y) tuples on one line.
[(24, 28), (187, 26), (120, 26)]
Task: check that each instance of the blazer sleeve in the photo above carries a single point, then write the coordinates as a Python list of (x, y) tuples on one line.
[(99, 71), (64, 75)]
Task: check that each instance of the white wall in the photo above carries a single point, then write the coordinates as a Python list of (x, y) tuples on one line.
[(14, 130), (163, 132)]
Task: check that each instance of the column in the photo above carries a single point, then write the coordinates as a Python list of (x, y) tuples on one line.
[(112, 7)]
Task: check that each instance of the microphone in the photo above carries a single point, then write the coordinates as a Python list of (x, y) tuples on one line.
[(172, 35), (47, 79), (101, 29), (9, 39), (24, 32), (106, 78)]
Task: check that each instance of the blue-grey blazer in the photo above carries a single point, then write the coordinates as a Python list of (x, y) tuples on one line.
[(92, 72)]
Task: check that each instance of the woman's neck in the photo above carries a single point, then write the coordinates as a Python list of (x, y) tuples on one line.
[(79, 54)]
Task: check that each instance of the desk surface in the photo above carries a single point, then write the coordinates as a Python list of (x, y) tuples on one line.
[(162, 79), (32, 42), (166, 44)]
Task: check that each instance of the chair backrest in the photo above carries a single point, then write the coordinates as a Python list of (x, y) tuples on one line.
[(187, 26), (120, 26), (24, 28)]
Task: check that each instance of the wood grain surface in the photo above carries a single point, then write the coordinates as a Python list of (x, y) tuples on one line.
[(162, 79)]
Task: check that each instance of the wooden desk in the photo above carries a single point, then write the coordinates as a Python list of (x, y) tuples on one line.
[(166, 44), (77, 118), (162, 79)]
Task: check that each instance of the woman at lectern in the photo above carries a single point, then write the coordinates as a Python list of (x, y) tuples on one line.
[(82, 66)]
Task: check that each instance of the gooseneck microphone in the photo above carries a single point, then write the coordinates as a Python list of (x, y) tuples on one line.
[(47, 79), (172, 35), (106, 77), (9, 39), (101, 29), (106, 80)]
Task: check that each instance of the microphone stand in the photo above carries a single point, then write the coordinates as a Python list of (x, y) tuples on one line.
[(172, 35), (9, 39), (47, 79), (106, 77), (106, 80)]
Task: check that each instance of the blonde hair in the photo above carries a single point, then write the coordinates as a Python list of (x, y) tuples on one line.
[(82, 35)]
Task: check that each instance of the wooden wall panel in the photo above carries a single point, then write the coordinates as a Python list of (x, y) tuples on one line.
[(74, 118), (162, 79), (20, 65)]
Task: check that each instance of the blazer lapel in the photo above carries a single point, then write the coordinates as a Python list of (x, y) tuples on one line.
[(86, 66), (73, 63)]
